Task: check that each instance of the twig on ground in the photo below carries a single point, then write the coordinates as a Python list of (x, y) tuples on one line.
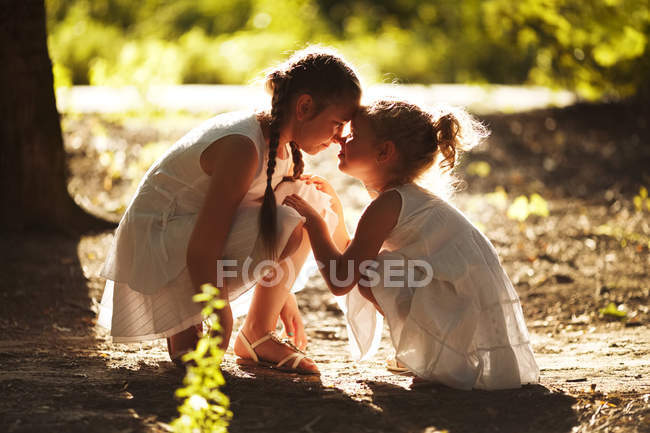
[(307, 427)]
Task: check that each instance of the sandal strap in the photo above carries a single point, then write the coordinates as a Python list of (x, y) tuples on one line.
[(251, 346), (262, 340), (248, 346), (289, 343), (298, 357)]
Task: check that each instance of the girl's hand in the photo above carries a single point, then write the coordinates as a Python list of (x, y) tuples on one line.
[(320, 183), (303, 208), (324, 186), (292, 321)]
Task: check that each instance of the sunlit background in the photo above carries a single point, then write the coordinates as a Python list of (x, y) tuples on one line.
[(597, 48)]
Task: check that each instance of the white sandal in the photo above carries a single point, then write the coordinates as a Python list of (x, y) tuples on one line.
[(297, 354), (393, 366)]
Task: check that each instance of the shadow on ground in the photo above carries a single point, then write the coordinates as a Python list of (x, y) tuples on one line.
[(272, 405), (57, 388), (58, 375)]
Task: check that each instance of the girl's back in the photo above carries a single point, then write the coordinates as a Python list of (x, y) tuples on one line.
[(424, 213), (178, 172)]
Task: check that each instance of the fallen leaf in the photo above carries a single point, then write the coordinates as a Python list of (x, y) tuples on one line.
[(612, 311)]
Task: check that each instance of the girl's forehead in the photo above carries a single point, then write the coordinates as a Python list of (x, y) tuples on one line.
[(342, 112), (362, 126), (350, 110), (360, 119)]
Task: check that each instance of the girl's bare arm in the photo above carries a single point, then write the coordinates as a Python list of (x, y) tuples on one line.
[(341, 269), (231, 164)]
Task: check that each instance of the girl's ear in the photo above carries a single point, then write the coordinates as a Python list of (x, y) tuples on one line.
[(387, 152), (304, 106)]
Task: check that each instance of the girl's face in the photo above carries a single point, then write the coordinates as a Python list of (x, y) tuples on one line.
[(316, 133), (358, 155)]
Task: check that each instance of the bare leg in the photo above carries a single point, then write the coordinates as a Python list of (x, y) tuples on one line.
[(185, 340), (366, 292), (268, 301)]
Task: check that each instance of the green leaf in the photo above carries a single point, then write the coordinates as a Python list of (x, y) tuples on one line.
[(201, 347), (202, 297), (612, 311)]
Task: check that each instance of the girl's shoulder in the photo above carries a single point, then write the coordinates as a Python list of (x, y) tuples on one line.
[(243, 123), (384, 210), (230, 119), (232, 123), (213, 135), (402, 200), (419, 204), (413, 195), (387, 201)]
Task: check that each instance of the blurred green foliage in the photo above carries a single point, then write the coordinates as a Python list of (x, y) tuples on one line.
[(595, 47), (522, 207), (205, 408)]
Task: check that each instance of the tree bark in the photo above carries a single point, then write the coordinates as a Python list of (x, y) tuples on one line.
[(33, 170)]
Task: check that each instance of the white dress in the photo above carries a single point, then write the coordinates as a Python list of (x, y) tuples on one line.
[(465, 327), (148, 291)]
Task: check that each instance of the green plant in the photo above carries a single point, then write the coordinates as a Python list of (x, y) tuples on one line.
[(205, 407)]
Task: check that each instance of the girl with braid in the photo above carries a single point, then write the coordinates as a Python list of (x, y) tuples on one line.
[(209, 211), (417, 261)]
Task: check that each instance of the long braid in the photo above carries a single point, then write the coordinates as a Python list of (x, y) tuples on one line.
[(268, 212), (298, 164)]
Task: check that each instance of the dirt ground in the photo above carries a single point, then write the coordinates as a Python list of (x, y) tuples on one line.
[(59, 371)]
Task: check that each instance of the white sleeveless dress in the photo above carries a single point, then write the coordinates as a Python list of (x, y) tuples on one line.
[(464, 328), (148, 291)]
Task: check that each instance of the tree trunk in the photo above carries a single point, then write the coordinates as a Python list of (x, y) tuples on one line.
[(33, 170)]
